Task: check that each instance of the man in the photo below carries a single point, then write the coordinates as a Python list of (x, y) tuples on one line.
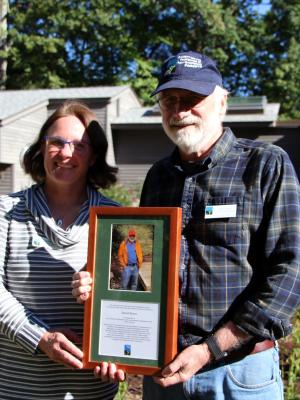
[(130, 258), (239, 269), (240, 253)]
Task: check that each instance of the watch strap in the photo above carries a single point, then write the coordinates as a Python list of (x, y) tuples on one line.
[(214, 348)]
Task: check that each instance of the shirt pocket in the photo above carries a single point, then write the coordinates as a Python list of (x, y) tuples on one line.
[(225, 229)]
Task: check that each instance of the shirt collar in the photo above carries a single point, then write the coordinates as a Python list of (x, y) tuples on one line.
[(222, 146)]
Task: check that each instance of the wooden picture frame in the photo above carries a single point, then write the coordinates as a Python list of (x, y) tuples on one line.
[(135, 328)]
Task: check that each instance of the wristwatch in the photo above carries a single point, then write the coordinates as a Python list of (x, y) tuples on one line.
[(214, 348)]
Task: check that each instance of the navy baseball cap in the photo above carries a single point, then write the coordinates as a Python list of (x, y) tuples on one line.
[(190, 71)]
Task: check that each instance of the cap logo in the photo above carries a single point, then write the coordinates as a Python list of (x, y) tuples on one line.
[(190, 62), (171, 66)]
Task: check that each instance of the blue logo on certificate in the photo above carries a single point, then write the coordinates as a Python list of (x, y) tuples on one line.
[(127, 349)]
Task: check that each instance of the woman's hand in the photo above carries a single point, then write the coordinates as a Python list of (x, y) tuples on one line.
[(59, 347), (108, 372), (81, 284)]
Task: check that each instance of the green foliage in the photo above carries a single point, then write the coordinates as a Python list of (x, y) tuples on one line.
[(122, 391), (144, 82), (281, 80), (126, 196), (290, 361), (78, 43), (106, 42)]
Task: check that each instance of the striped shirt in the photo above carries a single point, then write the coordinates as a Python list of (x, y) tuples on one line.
[(243, 265), (37, 261)]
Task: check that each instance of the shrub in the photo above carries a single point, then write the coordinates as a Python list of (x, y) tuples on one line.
[(290, 361), (126, 196), (123, 386)]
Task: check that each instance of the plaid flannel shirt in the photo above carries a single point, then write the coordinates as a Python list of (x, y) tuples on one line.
[(245, 267)]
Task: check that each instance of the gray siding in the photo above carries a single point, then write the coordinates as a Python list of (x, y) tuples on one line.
[(137, 149), (132, 174), (98, 106), (286, 138), (141, 146), (6, 177), (15, 136)]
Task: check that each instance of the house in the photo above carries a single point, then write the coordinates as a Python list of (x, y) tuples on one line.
[(139, 139), (134, 133)]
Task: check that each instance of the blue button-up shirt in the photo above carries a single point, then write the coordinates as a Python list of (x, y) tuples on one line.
[(243, 267), (132, 258)]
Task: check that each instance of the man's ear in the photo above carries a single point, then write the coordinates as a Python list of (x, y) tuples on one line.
[(223, 106)]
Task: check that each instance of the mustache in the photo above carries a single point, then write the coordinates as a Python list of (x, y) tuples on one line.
[(184, 121)]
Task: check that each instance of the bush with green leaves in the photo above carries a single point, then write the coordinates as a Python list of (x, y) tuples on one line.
[(126, 196), (122, 391), (290, 361)]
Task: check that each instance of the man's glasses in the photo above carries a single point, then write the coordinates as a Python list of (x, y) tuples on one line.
[(170, 103), (56, 143)]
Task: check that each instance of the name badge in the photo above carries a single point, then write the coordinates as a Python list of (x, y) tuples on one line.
[(220, 211), (37, 242)]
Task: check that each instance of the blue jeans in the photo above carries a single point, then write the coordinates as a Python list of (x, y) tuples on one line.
[(256, 377), (130, 276)]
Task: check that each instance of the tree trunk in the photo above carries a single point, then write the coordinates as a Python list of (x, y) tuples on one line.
[(3, 42)]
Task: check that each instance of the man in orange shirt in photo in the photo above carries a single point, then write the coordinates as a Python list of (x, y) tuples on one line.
[(130, 257)]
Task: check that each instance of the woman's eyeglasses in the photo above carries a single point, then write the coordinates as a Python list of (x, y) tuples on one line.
[(57, 143)]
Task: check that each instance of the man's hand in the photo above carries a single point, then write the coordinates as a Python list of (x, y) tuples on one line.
[(57, 346), (195, 357), (185, 365), (108, 372), (81, 284)]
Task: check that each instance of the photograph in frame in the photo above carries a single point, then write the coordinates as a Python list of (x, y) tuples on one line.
[(131, 257)]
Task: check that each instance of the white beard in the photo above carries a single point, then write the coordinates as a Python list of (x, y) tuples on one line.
[(189, 139)]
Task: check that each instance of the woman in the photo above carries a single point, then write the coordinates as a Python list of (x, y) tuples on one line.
[(44, 235)]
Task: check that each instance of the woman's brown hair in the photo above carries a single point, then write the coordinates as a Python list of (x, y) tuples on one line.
[(100, 174)]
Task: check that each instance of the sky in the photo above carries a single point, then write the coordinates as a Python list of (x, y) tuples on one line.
[(264, 7)]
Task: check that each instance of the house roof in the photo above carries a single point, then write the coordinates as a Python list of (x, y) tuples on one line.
[(267, 116), (138, 115), (239, 112), (14, 101)]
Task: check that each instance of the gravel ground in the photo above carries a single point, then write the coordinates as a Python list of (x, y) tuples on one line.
[(134, 391)]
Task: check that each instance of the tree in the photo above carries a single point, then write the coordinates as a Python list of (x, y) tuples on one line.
[(281, 80), (67, 43), (3, 42), (62, 43)]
